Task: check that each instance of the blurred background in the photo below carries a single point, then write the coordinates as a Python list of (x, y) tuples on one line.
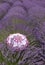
[(26, 17)]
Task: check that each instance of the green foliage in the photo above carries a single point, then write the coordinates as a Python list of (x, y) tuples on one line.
[(16, 20), (3, 34), (1, 57)]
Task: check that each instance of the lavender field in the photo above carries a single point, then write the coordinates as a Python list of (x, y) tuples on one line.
[(26, 17)]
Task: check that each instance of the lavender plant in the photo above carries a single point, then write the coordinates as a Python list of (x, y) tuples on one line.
[(26, 17)]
